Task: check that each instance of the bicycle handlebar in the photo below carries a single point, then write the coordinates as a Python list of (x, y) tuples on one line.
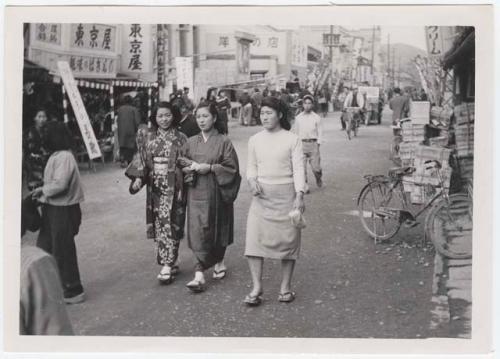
[(435, 162)]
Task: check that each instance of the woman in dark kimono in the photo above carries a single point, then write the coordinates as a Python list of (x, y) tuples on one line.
[(35, 154), (155, 166), (212, 174)]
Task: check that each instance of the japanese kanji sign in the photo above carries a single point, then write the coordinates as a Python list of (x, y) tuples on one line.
[(299, 51), (81, 65), (136, 49), (434, 41), (48, 33), (93, 37), (184, 69), (81, 115)]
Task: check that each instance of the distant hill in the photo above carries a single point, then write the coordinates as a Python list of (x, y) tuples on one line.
[(407, 53)]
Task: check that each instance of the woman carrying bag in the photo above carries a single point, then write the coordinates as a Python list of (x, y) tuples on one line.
[(211, 169)]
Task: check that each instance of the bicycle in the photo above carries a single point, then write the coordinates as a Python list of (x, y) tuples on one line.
[(352, 118), (383, 207)]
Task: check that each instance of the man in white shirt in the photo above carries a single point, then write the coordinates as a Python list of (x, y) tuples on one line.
[(308, 128)]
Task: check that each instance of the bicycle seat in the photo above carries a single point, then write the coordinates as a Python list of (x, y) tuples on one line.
[(401, 171)]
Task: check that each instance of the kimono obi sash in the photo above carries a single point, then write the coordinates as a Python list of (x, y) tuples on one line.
[(161, 165)]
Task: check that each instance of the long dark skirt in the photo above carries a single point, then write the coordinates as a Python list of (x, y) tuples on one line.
[(60, 225)]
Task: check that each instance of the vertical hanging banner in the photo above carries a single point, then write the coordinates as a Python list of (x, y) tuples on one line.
[(137, 48), (434, 40), (184, 69), (81, 115), (161, 38), (243, 57)]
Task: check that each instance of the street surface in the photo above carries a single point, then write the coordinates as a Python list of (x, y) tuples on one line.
[(347, 286)]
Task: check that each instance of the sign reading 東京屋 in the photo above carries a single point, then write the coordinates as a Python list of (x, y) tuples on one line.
[(81, 115), (137, 49), (95, 37)]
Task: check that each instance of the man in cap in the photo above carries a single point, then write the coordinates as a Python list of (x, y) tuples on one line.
[(308, 127)]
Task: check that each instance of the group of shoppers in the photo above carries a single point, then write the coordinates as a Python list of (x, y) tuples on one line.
[(191, 174), (192, 183)]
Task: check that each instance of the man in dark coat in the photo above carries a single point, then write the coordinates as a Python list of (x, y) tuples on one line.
[(128, 122), (400, 106), (188, 125)]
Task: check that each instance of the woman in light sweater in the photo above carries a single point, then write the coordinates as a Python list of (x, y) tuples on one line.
[(275, 173), (61, 195)]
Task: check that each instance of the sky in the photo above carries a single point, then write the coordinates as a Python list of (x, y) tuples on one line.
[(411, 35)]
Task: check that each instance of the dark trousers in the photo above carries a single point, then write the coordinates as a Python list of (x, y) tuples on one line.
[(342, 120), (217, 255), (60, 225), (126, 154)]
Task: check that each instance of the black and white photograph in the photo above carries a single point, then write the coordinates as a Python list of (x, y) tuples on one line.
[(263, 180)]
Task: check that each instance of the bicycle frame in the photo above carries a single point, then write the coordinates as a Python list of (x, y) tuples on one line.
[(397, 185)]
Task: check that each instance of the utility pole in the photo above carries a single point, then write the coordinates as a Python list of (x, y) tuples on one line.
[(399, 71), (388, 60), (331, 58), (393, 66), (373, 51)]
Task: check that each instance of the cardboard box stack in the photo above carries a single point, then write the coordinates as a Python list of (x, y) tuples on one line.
[(412, 135), (413, 131), (422, 183)]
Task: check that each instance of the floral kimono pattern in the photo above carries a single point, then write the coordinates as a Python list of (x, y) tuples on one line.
[(155, 162)]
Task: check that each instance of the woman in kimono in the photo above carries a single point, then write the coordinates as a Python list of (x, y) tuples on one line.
[(155, 166), (212, 174), (35, 154), (275, 174)]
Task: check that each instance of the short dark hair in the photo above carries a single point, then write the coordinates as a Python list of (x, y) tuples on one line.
[(127, 100), (173, 109), (57, 137), (280, 107), (397, 90), (209, 92), (308, 97), (212, 108)]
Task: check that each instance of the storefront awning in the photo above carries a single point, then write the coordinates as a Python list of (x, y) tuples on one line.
[(463, 51)]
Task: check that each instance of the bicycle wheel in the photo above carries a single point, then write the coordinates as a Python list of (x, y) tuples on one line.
[(378, 206), (449, 225)]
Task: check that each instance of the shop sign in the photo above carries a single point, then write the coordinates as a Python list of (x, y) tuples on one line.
[(264, 44), (80, 65), (162, 39), (184, 69), (243, 57), (48, 33), (434, 39), (299, 51), (94, 37), (79, 110), (137, 48)]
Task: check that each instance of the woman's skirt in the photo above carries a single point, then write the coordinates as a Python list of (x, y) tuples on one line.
[(270, 233)]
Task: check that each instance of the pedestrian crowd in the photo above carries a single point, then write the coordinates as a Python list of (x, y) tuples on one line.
[(190, 170)]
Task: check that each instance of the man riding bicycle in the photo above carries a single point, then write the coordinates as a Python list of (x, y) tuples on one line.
[(353, 99)]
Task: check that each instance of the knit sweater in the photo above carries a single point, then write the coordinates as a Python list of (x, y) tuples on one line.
[(62, 184)]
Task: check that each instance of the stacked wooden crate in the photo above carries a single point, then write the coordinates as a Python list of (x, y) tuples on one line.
[(464, 140), (423, 183), (412, 135)]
